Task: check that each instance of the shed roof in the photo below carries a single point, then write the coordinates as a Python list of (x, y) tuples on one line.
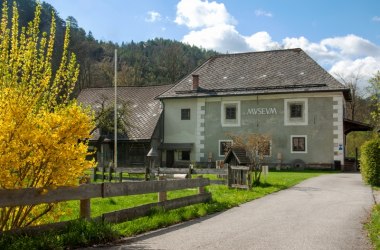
[(145, 110), (267, 72), (239, 154)]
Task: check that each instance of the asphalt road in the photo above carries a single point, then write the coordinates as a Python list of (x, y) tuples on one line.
[(325, 212)]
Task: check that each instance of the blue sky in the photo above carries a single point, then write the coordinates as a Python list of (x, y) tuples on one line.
[(343, 36)]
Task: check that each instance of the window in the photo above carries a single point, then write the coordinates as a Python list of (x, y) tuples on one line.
[(185, 114), (184, 155), (265, 149), (230, 114), (299, 143), (224, 146), (296, 111)]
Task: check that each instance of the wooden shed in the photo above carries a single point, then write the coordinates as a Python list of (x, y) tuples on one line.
[(239, 171)]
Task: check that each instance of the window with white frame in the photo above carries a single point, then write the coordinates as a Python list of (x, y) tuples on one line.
[(299, 144), (230, 114), (296, 111), (224, 146), (265, 149)]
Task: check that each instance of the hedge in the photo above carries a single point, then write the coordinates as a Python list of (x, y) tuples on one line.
[(370, 161)]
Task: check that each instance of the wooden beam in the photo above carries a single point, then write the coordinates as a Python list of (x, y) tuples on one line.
[(136, 212), (145, 187), (33, 196)]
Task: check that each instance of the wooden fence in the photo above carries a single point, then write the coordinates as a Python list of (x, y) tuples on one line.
[(116, 174), (84, 192)]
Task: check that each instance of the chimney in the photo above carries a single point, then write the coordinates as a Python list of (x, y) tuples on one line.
[(195, 82)]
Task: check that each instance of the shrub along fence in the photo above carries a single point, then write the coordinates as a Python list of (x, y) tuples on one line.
[(84, 192)]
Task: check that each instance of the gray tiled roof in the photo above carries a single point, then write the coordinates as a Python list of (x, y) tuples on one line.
[(144, 109), (268, 72)]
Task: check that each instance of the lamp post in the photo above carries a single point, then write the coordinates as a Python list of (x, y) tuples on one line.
[(152, 154)]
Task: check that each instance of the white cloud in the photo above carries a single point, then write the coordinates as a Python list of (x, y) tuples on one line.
[(376, 18), (202, 14), (212, 27), (351, 45), (342, 56), (222, 38), (364, 67), (260, 12), (153, 16), (261, 41)]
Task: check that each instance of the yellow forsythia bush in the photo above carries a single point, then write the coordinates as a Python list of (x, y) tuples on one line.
[(43, 132)]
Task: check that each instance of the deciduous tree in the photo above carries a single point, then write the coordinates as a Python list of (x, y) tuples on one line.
[(256, 147), (374, 91)]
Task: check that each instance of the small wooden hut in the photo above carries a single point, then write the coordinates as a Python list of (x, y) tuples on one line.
[(239, 171)]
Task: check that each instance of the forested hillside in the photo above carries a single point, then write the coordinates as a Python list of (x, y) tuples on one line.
[(152, 62)]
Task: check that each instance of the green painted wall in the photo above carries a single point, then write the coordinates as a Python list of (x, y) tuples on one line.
[(319, 130)]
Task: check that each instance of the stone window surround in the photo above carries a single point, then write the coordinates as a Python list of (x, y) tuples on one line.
[(296, 121), (225, 104)]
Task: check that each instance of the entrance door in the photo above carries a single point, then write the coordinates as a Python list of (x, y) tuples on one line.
[(169, 158)]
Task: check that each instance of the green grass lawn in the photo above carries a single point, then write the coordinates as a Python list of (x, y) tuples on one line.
[(373, 227), (87, 233)]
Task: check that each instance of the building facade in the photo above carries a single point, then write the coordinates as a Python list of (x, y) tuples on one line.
[(283, 94), (144, 115)]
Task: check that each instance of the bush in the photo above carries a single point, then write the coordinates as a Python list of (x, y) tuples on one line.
[(370, 161)]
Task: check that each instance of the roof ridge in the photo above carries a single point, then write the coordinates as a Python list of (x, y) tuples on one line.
[(257, 52), (111, 87)]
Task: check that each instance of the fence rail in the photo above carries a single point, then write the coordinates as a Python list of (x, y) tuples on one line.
[(84, 192), (101, 173)]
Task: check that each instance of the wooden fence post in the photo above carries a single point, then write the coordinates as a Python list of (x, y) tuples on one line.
[(147, 171), (103, 173), (229, 176), (121, 176), (201, 190), (85, 205), (190, 170), (110, 174), (94, 174), (162, 196)]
